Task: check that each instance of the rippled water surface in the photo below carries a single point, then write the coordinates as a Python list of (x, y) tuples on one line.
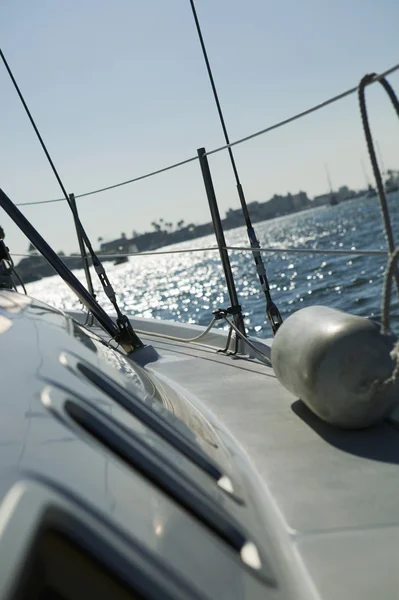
[(188, 287)]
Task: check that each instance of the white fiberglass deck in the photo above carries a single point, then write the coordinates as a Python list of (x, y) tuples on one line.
[(330, 496)]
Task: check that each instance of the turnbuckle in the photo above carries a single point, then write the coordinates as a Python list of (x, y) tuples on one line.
[(273, 314)]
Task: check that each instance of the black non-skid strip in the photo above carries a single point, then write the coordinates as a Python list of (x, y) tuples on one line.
[(156, 422), (158, 469)]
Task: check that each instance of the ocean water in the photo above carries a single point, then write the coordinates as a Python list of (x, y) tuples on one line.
[(188, 287)]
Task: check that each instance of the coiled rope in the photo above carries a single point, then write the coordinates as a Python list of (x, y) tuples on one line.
[(367, 79), (391, 270)]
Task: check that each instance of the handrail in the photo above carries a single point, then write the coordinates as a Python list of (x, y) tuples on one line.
[(235, 143)]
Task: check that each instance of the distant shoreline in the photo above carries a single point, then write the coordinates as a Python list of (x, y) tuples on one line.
[(35, 267)]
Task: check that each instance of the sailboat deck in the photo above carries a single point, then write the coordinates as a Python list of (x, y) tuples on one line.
[(328, 497), (333, 492)]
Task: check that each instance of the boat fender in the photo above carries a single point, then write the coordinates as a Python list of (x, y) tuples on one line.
[(340, 365)]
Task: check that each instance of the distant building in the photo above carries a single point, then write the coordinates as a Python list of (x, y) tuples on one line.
[(344, 193), (392, 181), (321, 200), (300, 201), (121, 245)]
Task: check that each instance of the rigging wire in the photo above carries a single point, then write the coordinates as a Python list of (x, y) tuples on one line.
[(304, 113), (277, 125), (272, 312), (116, 185), (21, 283), (367, 80), (342, 252), (125, 329)]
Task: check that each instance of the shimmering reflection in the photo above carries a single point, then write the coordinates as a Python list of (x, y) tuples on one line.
[(188, 287)]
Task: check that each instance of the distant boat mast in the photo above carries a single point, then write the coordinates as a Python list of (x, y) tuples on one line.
[(328, 179), (333, 197), (383, 172), (366, 177)]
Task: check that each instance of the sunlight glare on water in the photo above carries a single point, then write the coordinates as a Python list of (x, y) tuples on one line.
[(188, 287)]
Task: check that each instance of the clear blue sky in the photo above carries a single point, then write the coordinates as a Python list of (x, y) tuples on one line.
[(120, 88)]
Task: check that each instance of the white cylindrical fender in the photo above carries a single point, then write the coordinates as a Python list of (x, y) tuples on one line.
[(340, 365)]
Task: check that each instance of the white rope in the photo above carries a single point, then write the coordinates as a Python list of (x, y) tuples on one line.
[(178, 339), (240, 141), (203, 334)]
